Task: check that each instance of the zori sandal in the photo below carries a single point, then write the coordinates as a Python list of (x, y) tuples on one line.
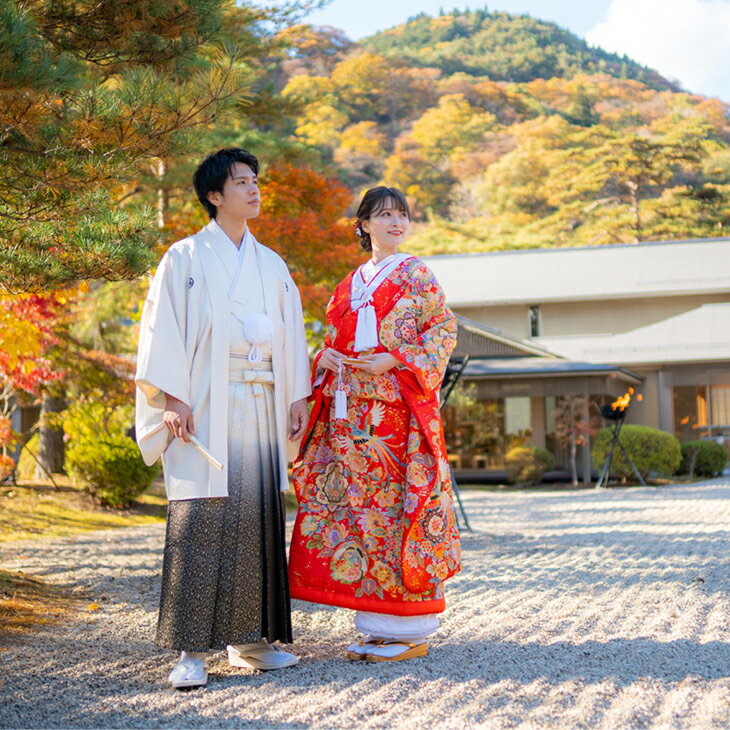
[(358, 651), (383, 652)]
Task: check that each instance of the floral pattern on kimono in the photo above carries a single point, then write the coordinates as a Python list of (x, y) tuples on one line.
[(376, 528)]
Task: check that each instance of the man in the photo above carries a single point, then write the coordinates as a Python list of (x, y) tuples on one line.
[(222, 380)]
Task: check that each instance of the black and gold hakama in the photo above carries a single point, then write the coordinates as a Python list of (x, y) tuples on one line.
[(224, 577)]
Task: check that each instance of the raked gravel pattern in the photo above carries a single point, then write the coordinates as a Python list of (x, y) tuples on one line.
[(574, 609)]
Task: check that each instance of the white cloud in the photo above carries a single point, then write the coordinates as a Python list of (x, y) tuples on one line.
[(685, 40)]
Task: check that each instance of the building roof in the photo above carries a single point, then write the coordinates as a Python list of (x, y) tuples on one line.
[(540, 367), (699, 335), (478, 340), (533, 276)]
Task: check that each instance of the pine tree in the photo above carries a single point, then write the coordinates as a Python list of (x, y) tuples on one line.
[(88, 92)]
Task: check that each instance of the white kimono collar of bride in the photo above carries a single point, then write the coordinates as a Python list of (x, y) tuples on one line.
[(361, 294), (362, 290)]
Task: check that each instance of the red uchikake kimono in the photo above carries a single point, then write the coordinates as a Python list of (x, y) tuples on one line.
[(376, 529)]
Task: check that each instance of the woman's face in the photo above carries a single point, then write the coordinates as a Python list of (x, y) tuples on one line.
[(388, 227)]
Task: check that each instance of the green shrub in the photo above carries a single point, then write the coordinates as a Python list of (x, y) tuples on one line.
[(101, 457), (110, 467), (527, 464), (652, 451), (711, 458), (86, 420)]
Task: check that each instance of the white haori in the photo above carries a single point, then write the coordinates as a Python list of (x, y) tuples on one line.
[(365, 283), (403, 628), (184, 346)]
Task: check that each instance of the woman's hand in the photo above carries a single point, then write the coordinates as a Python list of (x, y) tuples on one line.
[(178, 418), (330, 359), (377, 363)]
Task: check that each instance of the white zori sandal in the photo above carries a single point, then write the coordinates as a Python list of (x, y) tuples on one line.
[(190, 671), (261, 655), (357, 651), (393, 650)]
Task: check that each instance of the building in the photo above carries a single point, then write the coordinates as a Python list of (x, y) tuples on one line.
[(592, 322)]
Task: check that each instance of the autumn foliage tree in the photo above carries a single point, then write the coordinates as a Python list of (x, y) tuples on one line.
[(26, 337), (575, 424), (301, 219), (26, 334)]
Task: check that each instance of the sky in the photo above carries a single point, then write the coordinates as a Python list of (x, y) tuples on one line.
[(687, 41)]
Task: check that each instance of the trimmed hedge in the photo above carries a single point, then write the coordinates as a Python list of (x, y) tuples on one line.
[(711, 459), (527, 464), (653, 452), (111, 468)]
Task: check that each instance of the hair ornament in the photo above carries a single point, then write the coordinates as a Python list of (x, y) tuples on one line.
[(358, 229)]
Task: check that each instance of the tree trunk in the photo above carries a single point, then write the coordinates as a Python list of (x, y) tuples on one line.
[(163, 195), (573, 435), (634, 195), (50, 439), (587, 476)]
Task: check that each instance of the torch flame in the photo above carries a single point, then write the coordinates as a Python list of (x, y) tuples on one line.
[(622, 402)]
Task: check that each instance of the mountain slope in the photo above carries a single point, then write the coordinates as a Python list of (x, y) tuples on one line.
[(503, 47)]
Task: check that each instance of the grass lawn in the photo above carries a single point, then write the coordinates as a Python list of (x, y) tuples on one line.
[(37, 509)]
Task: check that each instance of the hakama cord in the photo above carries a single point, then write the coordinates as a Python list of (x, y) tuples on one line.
[(376, 529)]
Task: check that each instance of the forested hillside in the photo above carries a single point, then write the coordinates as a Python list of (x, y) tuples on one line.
[(502, 47), (507, 131)]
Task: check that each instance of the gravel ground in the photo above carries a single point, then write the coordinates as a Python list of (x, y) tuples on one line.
[(575, 609)]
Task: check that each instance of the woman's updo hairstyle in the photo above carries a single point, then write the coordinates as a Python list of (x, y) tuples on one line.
[(375, 200)]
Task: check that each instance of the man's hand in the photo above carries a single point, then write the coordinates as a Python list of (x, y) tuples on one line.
[(298, 417), (377, 363), (178, 418)]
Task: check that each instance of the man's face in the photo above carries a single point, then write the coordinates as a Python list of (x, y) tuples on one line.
[(240, 198)]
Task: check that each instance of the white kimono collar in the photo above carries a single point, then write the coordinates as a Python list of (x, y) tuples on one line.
[(241, 264), (365, 283), (370, 276)]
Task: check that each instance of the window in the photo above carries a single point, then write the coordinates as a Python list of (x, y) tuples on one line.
[(533, 319), (701, 411), (517, 416), (690, 412), (720, 405)]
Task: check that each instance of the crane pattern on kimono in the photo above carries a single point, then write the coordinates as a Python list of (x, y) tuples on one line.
[(364, 437)]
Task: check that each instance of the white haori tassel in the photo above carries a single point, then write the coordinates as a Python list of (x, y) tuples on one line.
[(366, 331), (258, 329), (340, 395)]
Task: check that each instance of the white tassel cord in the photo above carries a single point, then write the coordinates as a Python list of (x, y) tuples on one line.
[(340, 404), (340, 395), (258, 329), (366, 331)]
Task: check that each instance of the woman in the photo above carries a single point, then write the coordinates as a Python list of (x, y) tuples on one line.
[(376, 530)]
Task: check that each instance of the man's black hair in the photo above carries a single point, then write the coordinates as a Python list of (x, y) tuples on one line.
[(215, 169)]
